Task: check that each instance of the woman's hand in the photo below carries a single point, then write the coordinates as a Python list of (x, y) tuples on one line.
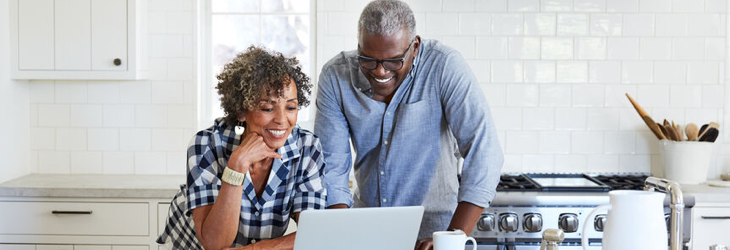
[(251, 150)]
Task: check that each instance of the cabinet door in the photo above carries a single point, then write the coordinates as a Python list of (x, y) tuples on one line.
[(108, 34), (710, 226), (17, 247), (54, 247), (73, 35), (35, 34)]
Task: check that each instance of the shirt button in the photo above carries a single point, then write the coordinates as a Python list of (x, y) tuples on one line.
[(253, 241), (256, 213), (386, 142), (385, 200), (387, 113), (382, 172)]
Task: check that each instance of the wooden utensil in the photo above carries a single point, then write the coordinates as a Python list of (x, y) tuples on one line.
[(670, 131), (680, 132), (710, 135), (663, 131), (702, 131), (692, 131), (705, 128), (647, 119)]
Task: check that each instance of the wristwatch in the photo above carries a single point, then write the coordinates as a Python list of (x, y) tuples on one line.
[(232, 177)]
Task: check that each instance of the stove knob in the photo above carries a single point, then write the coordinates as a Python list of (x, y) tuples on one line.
[(508, 222), (599, 223), (532, 223), (486, 223), (568, 222)]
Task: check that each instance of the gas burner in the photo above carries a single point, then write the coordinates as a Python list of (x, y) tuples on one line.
[(571, 182), (623, 182), (508, 182)]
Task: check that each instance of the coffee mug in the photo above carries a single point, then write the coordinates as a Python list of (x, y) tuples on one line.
[(451, 240)]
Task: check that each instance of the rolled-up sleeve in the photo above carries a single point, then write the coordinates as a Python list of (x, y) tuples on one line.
[(202, 179), (469, 117), (310, 191), (331, 126)]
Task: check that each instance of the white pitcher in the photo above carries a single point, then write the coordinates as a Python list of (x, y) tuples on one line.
[(635, 220)]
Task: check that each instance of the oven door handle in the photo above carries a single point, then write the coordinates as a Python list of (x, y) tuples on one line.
[(716, 217)]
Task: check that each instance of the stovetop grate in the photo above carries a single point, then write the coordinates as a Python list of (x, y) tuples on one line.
[(623, 182), (522, 182), (516, 183)]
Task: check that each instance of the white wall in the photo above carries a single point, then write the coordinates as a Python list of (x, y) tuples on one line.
[(14, 148), (123, 127), (555, 72)]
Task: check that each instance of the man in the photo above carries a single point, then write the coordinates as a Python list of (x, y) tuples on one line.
[(412, 108)]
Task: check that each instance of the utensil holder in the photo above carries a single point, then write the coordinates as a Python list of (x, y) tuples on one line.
[(686, 162)]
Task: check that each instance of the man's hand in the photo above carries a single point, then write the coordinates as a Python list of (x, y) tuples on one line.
[(424, 244)]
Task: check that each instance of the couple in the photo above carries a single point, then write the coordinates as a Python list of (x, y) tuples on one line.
[(410, 107)]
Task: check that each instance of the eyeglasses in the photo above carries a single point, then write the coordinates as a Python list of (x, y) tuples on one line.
[(394, 64)]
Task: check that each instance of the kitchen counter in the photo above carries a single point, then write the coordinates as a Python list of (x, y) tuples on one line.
[(93, 186), (704, 193)]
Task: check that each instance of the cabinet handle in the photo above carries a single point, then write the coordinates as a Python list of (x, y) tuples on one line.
[(716, 217), (70, 212), (117, 61)]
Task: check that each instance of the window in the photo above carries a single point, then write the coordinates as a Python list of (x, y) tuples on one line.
[(231, 26)]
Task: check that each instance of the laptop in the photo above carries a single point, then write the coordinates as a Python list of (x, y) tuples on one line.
[(359, 228)]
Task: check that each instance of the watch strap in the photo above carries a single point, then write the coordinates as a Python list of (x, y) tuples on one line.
[(232, 177)]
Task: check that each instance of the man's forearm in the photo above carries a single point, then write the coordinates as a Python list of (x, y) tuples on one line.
[(465, 217), (335, 206)]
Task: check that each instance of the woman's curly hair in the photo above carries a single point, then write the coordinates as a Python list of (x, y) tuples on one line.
[(257, 71)]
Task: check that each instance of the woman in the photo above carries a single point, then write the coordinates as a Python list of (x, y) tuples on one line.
[(254, 169)]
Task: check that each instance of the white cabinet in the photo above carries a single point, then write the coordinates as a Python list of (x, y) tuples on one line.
[(79, 39), (710, 224)]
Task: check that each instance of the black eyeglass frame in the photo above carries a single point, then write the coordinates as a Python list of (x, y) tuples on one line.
[(383, 61)]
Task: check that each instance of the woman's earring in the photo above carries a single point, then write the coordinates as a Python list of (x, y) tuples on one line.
[(239, 128)]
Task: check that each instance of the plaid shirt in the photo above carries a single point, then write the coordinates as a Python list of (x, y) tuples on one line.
[(295, 184)]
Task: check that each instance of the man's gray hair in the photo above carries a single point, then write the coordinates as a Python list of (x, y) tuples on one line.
[(385, 17)]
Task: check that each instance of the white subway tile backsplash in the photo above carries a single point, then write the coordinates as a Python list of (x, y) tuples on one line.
[(656, 48), (507, 118), (70, 139), (103, 92), (604, 72), (655, 5), (538, 119), (637, 72), (591, 48), (618, 142), (150, 115), (674, 24), (474, 24), (495, 93), (121, 115), (540, 24), (635, 163), (646, 141), (539, 71), (670, 72), (713, 96), (150, 163), (555, 142), (688, 48), (652, 96), (42, 92), (442, 23), (465, 45), (570, 119), (481, 69), (168, 140), (180, 22), (71, 92), (490, 5), (588, 95), (180, 69), (715, 6), (54, 115), (157, 22), (135, 139), (557, 5), (571, 163), (554, 95), (572, 24), (176, 163), (606, 25), (701, 116), (86, 115), (103, 139), (118, 162), (703, 72), (458, 5), (512, 164), (416, 6), (182, 116), (86, 163), (508, 24), (522, 95), (685, 96), (135, 92), (572, 71), (523, 5), (507, 71), (524, 47), (42, 138), (616, 95), (670, 114), (167, 92), (492, 47), (538, 163), (623, 48), (704, 25), (589, 5), (557, 48), (157, 69), (522, 142), (165, 45), (638, 24), (622, 6), (602, 119), (586, 142), (33, 109), (630, 119), (688, 5), (54, 162), (603, 164), (715, 49)]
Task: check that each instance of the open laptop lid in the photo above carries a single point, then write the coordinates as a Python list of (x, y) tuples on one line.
[(359, 228)]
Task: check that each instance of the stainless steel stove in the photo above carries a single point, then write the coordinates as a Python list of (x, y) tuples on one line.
[(527, 204)]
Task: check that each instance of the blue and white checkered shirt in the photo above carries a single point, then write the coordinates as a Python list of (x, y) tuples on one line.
[(296, 183)]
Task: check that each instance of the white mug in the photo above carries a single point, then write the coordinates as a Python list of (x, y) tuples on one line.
[(451, 240)]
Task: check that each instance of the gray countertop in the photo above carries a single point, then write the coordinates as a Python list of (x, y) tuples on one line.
[(93, 186)]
